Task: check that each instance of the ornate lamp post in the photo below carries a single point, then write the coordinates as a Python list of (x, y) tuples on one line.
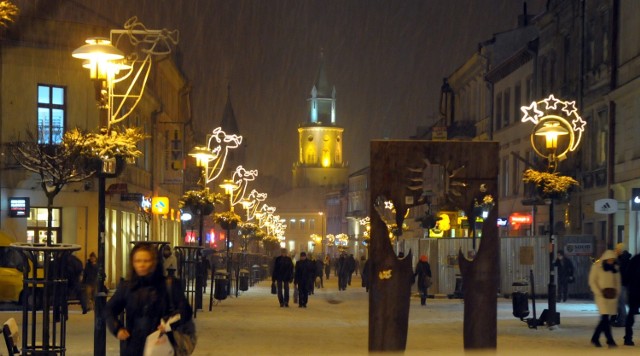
[(108, 67), (229, 187), (557, 131)]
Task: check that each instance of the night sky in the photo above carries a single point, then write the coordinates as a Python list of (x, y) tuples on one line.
[(385, 58)]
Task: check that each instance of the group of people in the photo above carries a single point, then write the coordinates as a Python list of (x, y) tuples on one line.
[(615, 282), (306, 274), (82, 282)]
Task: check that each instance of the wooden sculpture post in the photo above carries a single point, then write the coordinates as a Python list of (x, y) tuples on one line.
[(447, 175)]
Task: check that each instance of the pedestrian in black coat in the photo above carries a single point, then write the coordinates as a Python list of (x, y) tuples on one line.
[(351, 267), (366, 275), (423, 274), (319, 272), (282, 275), (633, 289), (145, 298), (565, 274), (343, 272), (305, 273)]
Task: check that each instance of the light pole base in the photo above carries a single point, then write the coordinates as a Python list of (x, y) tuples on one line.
[(549, 318)]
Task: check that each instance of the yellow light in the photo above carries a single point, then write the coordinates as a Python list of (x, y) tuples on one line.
[(229, 186), (202, 155), (444, 224), (160, 205), (551, 130), (100, 55), (325, 161)]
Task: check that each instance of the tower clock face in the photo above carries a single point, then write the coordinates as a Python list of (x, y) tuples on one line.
[(338, 139), (310, 138)]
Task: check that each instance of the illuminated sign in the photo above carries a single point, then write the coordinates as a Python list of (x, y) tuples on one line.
[(160, 205), (190, 237), (145, 204), (605, 206), (515, 219), (18, 207), (502, 222)]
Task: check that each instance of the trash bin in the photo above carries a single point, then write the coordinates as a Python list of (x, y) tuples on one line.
[(221, 280), (243, 275), (255, 273), (520, 300)]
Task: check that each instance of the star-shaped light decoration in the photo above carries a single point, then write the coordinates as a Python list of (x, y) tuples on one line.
[(578, 124), (531, 113), (551, 102), (569, 108), (388, 204)]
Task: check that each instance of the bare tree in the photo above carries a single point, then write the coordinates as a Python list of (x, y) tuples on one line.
[(56, 165)]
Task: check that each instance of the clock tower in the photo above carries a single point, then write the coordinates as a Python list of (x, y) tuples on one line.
[(320, 157)]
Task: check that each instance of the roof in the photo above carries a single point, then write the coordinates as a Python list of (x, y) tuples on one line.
[(228, 122)]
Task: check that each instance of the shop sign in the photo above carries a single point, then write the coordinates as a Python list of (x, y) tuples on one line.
[(160, 205), (578, 249), (18, 207), (605, 206)]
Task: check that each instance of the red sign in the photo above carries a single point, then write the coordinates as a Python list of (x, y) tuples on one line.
[(190, 237), (516, 219)]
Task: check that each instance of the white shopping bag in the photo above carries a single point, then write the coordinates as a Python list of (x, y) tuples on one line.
[(158, 343)]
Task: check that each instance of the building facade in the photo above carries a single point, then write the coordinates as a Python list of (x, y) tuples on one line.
[(46, 91)]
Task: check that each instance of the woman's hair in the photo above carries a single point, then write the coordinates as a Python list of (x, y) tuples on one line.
[(151, 249)]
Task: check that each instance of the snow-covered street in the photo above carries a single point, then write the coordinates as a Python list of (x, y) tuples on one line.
[(336, 323)]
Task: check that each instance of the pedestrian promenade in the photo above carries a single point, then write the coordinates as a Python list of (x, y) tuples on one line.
[(336, 323)]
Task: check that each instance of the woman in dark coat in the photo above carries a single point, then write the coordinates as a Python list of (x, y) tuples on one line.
[(145, 298), (423, 272), (565, 274)]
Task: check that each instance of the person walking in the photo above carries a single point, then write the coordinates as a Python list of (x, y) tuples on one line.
[(146, 297), (423, 273), (304, 275), (327, 266), (633, 297), (282, 275), (169, 261), (565, 275), (343, 272), (312, 271), (366, 275), (604, 281), (351, 268), (622, 261), (90, 281), (319, 273)]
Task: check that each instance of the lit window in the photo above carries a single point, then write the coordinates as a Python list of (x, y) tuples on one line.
[(51, 114)]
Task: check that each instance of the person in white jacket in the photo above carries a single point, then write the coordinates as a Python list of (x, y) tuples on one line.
[(604, 281)]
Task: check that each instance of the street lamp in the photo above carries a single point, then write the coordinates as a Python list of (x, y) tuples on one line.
[(229, 187), (554, 121), (105, 62), (203, 156)]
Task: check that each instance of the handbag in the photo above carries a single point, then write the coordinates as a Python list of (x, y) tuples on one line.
[(183, 337), (609, 293), (273, 288), (427, 281), (295, 295)]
